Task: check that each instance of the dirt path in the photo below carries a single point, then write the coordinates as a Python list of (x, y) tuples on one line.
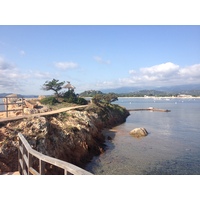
[(41, 114)]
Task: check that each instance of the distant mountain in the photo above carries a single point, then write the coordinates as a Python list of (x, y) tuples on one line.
[(24, 96), (124, 89), (193, 89), (181, 88), (4, 94)]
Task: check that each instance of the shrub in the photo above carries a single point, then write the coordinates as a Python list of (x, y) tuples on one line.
[(104, 98), (82, 101), (49, 101)]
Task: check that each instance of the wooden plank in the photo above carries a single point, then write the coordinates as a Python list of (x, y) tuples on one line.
[(149, 109), (24, 172), (21, 163), (30, 162), (21, 149), (33, 171), (26, 160)]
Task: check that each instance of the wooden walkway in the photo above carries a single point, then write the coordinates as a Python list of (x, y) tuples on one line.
[(27, 157), (40, 114), (149, 109)]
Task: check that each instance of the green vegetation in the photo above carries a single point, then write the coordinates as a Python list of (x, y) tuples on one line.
[(49, 101), (71, 97), (142, 93), (104, 98), (62, 99), (90, 93), (60, 102), (54, 85)]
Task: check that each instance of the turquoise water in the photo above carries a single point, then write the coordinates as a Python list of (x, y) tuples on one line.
[(172, 146)]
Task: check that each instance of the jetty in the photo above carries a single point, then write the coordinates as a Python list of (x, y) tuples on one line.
[(150, 109)]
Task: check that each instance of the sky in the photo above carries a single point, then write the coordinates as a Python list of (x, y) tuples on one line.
[(95, 57), (109, 51)]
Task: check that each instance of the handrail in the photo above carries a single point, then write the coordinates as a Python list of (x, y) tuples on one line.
[(6, 103), (25, 158)]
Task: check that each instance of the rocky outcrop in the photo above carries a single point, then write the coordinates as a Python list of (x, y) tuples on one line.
[(73, 136), (139, 132)]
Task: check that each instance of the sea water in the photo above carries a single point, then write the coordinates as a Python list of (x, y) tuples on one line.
[(2, 107), (171, 147)]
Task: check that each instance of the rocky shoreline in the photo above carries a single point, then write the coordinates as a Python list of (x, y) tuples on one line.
[(74, 136)]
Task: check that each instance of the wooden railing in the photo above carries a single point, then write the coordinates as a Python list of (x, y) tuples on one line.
[(6, 103), (32, 162)]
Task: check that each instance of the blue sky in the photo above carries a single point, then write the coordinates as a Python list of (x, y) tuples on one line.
[(98, 57)]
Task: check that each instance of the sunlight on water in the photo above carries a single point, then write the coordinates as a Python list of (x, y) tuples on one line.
[(172, 146)]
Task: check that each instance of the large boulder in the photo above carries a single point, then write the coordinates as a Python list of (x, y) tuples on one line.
[(139, 132)]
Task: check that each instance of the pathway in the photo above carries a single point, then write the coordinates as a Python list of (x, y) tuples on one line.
[(41, 114)]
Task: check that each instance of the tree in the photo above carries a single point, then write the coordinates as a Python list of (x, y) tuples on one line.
[(97, 99), (109, 98), (54, 85), (104, 98)]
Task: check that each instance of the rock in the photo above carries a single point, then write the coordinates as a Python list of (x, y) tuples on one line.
[(73, 136), (139, 132), (41, 97), (3, 168), (30, 105), (109, 138)]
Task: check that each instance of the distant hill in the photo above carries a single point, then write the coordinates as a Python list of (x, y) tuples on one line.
[(148, 92), (89, 93), (193, 89)]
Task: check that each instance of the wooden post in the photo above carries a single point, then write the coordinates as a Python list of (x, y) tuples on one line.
[(24, 163), (22, 107), (30, 162), (41, 167), (19, 157), (6, 106)]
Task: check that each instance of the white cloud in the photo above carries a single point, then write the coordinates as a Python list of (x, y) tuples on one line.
[(101, 60), (22, 53), (9, 76), (165, 74), (66, 65), (42, 75), (13, 80), (132, 71), (162, 70), (191, 71)]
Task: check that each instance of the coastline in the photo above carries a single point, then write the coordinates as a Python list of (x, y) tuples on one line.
[(74, 136), (154, 97)]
